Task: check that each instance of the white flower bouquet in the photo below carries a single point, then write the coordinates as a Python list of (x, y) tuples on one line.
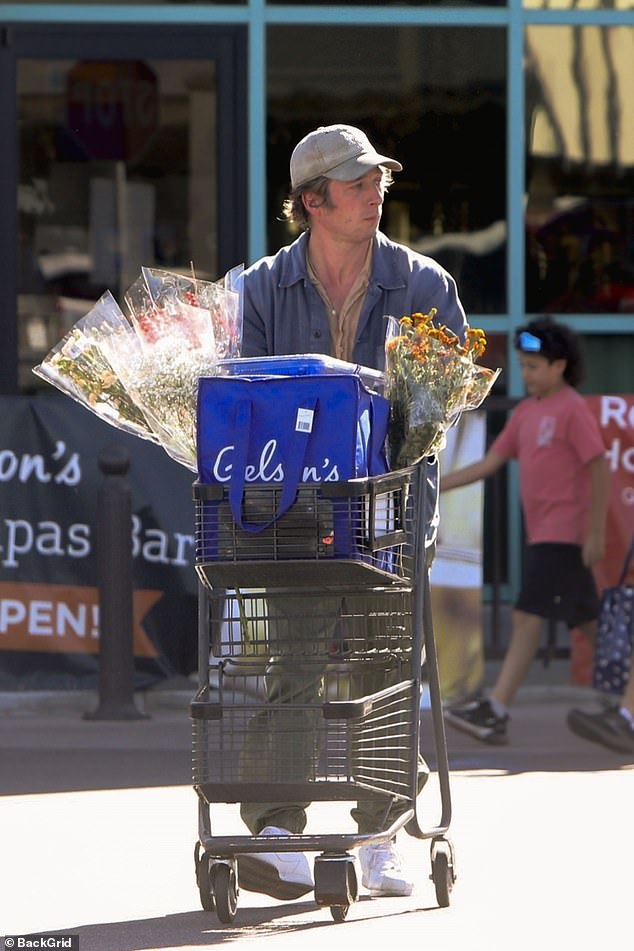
[(139, 370)]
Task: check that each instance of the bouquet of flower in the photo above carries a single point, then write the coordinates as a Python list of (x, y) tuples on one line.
[(431, 379), (139, 371), (79, 366)]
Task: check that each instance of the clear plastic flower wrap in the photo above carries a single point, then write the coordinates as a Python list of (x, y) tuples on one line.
[(431, 379), (140, 371), (196, 314), (183, 326), (80, 367)]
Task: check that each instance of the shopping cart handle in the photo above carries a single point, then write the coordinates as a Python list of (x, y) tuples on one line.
[(355, 488), (347, 709), (204, 710), (356, 709)]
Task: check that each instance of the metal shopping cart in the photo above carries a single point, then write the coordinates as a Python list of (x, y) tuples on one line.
[(313, 634)]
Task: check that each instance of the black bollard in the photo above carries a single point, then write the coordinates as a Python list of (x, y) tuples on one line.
[(114, 579)]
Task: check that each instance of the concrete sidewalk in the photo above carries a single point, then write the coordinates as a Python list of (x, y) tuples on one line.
[(543, 683), (47, 744)]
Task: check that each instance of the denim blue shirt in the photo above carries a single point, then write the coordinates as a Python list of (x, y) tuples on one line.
[(284, 314)]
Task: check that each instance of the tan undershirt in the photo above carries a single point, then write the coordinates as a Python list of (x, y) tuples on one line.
[(344, 325)]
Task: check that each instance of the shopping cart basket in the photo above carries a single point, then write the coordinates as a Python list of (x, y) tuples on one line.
[(312, 638)]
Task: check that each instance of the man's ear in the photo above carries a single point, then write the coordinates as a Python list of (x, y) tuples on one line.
[(310, 200)]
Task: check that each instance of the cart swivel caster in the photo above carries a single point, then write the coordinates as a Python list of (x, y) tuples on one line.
[(339, 912), (217, 884), (442, 870), (203, 864), (225, 885), (336, 883)]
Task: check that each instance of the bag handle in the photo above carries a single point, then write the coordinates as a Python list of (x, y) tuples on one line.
[(626, 564), (379, 418), (295, 462)]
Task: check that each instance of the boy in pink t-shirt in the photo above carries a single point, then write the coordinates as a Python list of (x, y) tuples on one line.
[(564, 488)]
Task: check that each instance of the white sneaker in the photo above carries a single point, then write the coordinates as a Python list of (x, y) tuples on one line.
[(283, 875), (382, 872)]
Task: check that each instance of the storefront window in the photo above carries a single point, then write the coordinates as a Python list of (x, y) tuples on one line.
[(116, 171), (580, 169), (580, 5), (382, 3), (437, 103), (207, 3), (608, 362)]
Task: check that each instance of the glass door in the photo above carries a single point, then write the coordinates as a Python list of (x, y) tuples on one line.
[(131, 151)]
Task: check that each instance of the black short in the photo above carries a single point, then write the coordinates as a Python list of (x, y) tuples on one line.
[(556, 584)]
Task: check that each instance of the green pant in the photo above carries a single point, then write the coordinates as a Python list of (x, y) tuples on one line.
[(295, 676)]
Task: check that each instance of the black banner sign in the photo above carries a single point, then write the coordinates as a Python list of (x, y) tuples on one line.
[(49, 612)]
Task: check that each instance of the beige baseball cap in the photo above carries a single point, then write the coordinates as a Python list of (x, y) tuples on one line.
[(336, 151)]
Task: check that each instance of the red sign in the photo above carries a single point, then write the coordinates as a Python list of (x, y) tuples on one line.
[(112, 107), (615, 415)]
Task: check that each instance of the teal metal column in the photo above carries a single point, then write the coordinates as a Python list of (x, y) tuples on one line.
[(516, 190), (256, 212)]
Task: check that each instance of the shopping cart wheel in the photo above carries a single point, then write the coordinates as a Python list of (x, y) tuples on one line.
[(442, 870), (225, 891), (204, 864), (336, 883), (339, 912)]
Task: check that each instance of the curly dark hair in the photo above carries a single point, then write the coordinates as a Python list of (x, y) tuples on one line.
[(558, 342)]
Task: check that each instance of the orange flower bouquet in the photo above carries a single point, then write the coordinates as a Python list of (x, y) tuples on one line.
[(431, 379)]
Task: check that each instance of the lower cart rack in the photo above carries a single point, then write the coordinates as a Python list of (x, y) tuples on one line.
[(288, 751)]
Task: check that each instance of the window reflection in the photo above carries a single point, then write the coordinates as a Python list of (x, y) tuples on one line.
[(578, 4), (400, 3), (428, 96), (116, 171), (580, 169)]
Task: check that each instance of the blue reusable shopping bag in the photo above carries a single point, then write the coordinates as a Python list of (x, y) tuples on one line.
[(285, 431)]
